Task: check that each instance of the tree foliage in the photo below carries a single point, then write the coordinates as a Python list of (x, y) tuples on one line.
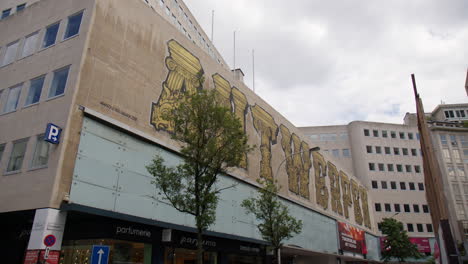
[(212, 140), (397, 244), (276, 224)]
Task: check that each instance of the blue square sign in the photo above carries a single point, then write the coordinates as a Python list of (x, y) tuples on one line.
[(52, 133), (100, 254)]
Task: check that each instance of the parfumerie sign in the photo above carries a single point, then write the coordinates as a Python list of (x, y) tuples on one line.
[(120, 230)]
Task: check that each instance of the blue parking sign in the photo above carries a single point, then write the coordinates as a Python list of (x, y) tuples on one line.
[(52, 133), (100, 254)]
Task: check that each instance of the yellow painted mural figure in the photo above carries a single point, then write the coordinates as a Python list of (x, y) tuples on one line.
[(346, 190), (335, 189), (185, 74), (298, 162), (365, 207), (321, 190), (356, 202), (267, 128)]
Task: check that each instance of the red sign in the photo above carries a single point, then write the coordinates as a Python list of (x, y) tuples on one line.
[(37, 256), (421, 242), (351, 238), (49, 240)]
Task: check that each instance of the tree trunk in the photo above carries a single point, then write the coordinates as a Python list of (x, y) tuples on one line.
[(199, 246)]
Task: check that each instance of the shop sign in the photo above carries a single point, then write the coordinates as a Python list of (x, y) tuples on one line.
[(249, 249), (38, 256), (194, 242), (131, 231), (52, 133), (422, 244), (351, 238)]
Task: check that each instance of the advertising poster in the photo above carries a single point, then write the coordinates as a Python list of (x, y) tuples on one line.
[(351, 238), (38, 256), (421, 242)]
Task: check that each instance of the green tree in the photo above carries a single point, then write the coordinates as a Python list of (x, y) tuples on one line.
[(213, 140), (276, 225), (397, 244)]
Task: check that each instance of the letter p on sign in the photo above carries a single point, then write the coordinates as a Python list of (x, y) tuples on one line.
[(52, 133)]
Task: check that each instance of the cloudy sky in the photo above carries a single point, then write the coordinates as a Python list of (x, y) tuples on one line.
[(332, 62)]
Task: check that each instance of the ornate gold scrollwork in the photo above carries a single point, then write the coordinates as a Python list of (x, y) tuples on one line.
[(321, 190), (356, 204), (335, 189), (365, 207), (346, 190)]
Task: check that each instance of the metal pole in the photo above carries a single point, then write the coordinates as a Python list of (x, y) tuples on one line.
[(234, 51), (253, 70), (212, 26)]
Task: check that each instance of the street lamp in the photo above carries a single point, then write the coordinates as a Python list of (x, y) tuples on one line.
[(277, 170), (299, 152)]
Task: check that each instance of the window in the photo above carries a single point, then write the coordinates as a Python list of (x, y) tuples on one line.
[(344, 136), (461, 171), (399, 167), (388, 208), (161, 3), (410, 227), (35, 89), (384, 184), (30, 45), (17, 155), (393, 134), (2, 149), (456, 155), (414, 152), (451, 171), (405, 151), (402, 135), (59, 82), (449, 114), (408, 168), (396, 151), (456, 191), (453, 140), (6, 13), (387, 150), (417, 168), (410, 136), (381, 167), (446, 154), (407, 208), (375, 133), (374, 185), (366, 132), (463, 141), (443, 139), (460, 210), (346, 153), (73, 26), (425, 208), (397, 208), (412, 187), (335, 152), (50, 35), (20, 7), (393, 185), (384, 133), (378, 207), (390, 167), (402, 186), (369, 149), (417, 136), (371, 166), (41, 153), (378, 150), (10, 53), (421, 186), (419, 227), (12, 99), (429, 228)]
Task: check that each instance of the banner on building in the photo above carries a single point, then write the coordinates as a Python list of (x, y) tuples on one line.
[(351, 238), (421, 242)]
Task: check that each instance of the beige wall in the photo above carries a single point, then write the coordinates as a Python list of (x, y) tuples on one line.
[(32, 188), (125, 68)]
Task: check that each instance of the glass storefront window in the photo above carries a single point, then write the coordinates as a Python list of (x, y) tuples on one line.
[(187, 256), (121, 252)]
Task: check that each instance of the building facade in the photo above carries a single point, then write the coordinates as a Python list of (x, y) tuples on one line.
[(83, 87)]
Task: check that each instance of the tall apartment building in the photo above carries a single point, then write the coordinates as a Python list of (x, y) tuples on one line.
[(449, 134), (83, 85), (387, 158)]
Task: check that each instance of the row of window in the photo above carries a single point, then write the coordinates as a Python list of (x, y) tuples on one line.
[(336, 152), (329, 136), (393, 134), (202, 42), (460, 113), (7, 12), (455, 155), (457, 192), (419, 227), (393, 185), (391, 167), (453, 171), (453, 140), (13, 51), (397, 208), (388, 150), (56, 88), (18, 150)]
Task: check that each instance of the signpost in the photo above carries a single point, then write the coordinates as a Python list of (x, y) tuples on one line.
[(100, 254), (52, 133)]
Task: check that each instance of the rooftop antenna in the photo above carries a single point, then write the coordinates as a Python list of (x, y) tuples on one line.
[(234, 57), (253, 70), (212, 26)]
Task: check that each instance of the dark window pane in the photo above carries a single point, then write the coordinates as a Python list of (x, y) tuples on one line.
[(20, 7), (59, 82), (73, 26), (35, 89), (6, 13), (50, 35)]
